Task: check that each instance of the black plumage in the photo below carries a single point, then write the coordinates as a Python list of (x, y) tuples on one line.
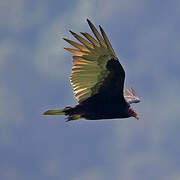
[(98, 81)]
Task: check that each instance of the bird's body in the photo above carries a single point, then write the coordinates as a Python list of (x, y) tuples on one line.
[(98, 81), (106, 109)]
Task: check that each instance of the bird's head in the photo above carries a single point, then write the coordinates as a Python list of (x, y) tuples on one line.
[(133, 113)]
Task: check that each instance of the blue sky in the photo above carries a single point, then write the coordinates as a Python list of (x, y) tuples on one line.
[(34, 76)]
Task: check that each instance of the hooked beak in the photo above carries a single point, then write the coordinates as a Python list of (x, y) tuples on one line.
[(137, 116), (133, 113)]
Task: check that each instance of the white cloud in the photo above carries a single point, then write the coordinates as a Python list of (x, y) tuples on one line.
[(158, 118), (121, 9), (141, 146), (90, 174), (9, 107), (17, 15), (10, 112), (11, 115), (52, 167), (51, 57), (8, 173), (159, 113), (11, 13), (7, 50), (174, 176)]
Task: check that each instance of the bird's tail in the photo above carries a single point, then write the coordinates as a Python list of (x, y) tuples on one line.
[(57, 111), (69, 111)]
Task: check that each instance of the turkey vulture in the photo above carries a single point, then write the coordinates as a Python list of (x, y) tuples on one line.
[(98, 81)]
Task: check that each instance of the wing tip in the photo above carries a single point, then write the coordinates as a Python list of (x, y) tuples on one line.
[(65, 39), (88, 20), (73, 33), (90, 23)]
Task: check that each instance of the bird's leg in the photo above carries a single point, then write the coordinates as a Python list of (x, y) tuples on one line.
[(130, 95)]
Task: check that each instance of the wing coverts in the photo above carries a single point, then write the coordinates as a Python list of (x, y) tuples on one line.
[(90, 62)]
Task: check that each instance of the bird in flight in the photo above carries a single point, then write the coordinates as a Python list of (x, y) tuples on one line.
[(97, 79)]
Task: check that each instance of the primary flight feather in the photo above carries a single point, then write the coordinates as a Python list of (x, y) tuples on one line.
[(98, 80)]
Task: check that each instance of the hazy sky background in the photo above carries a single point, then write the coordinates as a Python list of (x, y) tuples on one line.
[(34, 76)]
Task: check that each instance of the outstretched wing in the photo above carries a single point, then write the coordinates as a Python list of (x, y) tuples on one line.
[(95, 67)]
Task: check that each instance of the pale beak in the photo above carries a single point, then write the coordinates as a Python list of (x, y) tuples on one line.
[(136, 116), (133, 113)]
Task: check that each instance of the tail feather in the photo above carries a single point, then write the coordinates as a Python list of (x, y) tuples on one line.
[(74, 117), (54, 112), (69, 111), (57, 111)]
